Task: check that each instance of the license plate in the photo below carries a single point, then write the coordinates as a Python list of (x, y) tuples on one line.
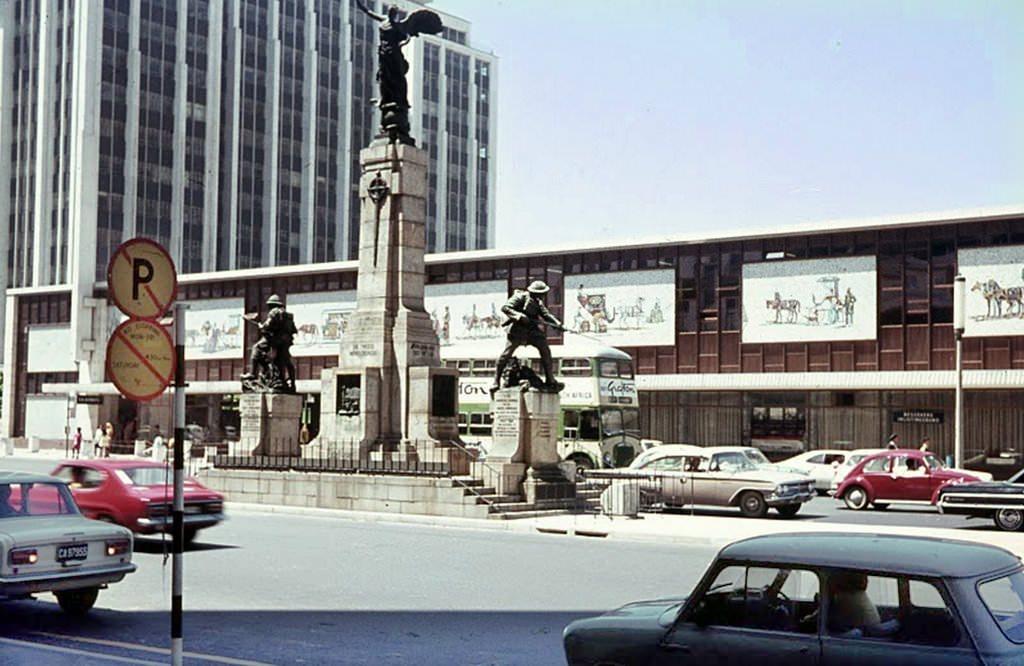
[(72, 551)]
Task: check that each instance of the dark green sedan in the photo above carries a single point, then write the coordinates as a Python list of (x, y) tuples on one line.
[(832, 599)]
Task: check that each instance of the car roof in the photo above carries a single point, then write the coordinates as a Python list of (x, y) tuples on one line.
[(112, 463), (672, 450), (887, 553), (27, 477)]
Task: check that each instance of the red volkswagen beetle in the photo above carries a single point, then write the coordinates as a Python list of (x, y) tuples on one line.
[(907, 476), (138, 494)]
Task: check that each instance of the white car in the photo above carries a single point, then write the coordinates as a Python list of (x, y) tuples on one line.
[(820, 465), (46, 545)]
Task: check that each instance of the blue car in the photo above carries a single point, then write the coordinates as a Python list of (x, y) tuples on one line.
[(825, 599)]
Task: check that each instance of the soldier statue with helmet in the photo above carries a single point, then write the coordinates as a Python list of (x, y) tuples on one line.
[(526, 314), (271, 367)]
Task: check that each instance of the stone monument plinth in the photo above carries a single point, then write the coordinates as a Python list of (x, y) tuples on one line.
[(389, 397), (270, 423), (523, 458)]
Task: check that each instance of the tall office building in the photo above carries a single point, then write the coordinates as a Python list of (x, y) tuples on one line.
[(228, 131)]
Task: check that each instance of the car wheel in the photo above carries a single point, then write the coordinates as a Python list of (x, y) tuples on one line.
[(1009, 520), (77, 602), (880, 506), (856, 498), (752, 504), (789, 510)]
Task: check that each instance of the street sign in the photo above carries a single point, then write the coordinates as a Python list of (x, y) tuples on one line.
[(88, 399), (142, 279), (140, 359)]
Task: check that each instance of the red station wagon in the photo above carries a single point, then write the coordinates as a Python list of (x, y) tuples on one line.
[(139, 494), (897, 475)]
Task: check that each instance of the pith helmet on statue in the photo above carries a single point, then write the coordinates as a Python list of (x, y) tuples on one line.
[(537, 287), (275, 300)]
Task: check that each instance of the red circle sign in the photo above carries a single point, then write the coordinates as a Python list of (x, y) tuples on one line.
[(140, 359), (142, 279)]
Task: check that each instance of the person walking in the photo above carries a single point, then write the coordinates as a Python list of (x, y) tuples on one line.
[(894, 441), (926, 444), (97, 442), (106, 437), (76, 443)]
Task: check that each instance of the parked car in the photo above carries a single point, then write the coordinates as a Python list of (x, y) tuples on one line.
[(47, 545), (852, 459), (681, 474), (897, 475), (138, 494), (820, 465), (826, 599), (1002, 501)]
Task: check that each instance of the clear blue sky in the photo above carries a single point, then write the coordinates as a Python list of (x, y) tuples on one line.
[(622, 119)]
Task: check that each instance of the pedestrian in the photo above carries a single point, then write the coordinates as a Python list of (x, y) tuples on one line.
[(97, 442), (107, 439), (304, 435), (76, 443), (926, 444), (894, 442), (158, 438)]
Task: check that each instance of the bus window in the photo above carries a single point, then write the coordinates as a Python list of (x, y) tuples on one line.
[(611, 421), (608, 367), (462, 423), (484, 367), (480, 423), (463, 367), (626, 369), (570, 424), (590, 424), (631, 421), (451, 364), (576, 367)]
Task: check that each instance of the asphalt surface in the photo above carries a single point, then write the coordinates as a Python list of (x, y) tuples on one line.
[(714, 529)]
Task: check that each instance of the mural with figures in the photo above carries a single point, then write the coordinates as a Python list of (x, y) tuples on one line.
[(635, 308), (321, 320), (469, 312), (213, 329), (994, 297), (810, 300)]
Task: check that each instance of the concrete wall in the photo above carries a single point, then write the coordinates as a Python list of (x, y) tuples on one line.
[(352, 492)]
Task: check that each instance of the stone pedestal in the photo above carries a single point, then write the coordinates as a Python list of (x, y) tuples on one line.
[(523, 457), (270, 423), (389, 395)]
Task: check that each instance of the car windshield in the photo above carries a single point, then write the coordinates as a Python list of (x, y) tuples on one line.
[(1004, 598), (732, 461), (755, 456), (36, 499)]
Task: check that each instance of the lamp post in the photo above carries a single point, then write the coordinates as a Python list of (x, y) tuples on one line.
[(959, 317)]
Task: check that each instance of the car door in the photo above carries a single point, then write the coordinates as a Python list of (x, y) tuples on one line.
[(669, 478), (911, 479), (723, 483), (878, 474), (741, 621)]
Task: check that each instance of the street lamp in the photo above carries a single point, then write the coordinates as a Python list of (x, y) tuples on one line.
[(959, 317)]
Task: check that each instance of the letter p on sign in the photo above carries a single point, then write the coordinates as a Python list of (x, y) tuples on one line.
[(142, 279)]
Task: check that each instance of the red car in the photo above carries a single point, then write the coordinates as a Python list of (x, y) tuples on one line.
[(898, 475), (138, 494)]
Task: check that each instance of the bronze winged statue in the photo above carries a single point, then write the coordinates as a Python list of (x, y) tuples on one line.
[(392, 66)]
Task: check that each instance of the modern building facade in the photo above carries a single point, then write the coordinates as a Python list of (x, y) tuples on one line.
[(228, 132), (822, 335)]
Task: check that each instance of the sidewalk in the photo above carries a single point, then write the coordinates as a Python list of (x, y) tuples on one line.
[(677, 528)]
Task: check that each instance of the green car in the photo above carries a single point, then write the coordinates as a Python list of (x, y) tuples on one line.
[(833, 599)]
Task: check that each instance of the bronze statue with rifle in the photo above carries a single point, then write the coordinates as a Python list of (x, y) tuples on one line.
[(526, 314), (271, 367)]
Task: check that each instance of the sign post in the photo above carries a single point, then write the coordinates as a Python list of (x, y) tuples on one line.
[(142, 360)]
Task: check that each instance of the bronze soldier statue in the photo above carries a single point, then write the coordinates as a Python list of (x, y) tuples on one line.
[(270, 361), (392, 66), (526, 314)]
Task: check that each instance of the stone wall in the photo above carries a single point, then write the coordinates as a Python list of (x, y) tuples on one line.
[(383, 493)]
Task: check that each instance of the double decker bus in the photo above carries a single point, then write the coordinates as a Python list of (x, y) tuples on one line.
[(599, 421)]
